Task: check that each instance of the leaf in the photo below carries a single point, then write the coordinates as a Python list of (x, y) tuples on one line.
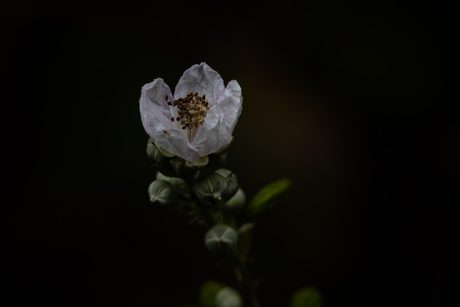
[(208, 292), (306, 297), (245, 238), (267, 196)]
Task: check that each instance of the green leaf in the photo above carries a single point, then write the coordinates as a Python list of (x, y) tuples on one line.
[(306, 297), (267, 196), (245, 238), (208, 292)]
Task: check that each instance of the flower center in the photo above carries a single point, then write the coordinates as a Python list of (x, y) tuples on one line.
[(189, 113)]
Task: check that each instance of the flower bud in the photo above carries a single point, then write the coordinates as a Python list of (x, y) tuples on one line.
[(163, 192), (228, 297), (221, 239), (160, 162), (178, 183), (217, 187), (236, 202)]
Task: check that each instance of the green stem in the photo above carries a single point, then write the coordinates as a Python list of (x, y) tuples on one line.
[(206, 213), (204, 210), (245, 281), (211, 218)]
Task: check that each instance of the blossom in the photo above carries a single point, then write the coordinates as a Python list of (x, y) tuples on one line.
[(198, 119)]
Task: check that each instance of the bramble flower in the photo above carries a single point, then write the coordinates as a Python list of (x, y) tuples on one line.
[(198, 119)]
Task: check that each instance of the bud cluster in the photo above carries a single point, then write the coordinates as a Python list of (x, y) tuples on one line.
[(198, 183), (211, 195)]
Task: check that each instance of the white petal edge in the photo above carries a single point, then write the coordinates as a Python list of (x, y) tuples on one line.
[(202, 79)]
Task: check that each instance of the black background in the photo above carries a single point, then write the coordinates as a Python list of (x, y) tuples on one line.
[(358, 105)]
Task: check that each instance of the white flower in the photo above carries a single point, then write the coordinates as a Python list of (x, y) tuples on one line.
[(198, 120)]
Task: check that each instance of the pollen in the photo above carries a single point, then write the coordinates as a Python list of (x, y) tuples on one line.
[(190, 113)]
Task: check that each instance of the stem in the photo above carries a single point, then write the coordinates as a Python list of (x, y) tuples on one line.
[(206, 213), (204, 210), (245, 282), (211, 218)]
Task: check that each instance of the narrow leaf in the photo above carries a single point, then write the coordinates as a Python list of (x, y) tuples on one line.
[(245, 238), (306, 297), (267, 196)]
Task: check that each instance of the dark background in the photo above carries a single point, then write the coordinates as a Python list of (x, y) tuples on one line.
[(358, 105)]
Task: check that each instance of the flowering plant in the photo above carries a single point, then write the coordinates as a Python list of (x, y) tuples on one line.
[(189, 133)]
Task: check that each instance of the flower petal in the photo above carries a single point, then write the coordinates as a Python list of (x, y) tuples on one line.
[(220, 121), (231, 105), (201, 79), (156, 119), (153, 105), (174, 141)]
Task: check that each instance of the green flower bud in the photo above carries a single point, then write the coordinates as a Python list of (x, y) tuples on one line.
[(228, 297), (221, 239), (217, 187), (179, 184), (236, 202), (160, 161), (178, 164), (163, 192)]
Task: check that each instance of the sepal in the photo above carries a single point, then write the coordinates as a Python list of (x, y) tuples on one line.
[(159, 160)]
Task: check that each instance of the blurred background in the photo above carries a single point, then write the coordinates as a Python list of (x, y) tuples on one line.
[(357, 105)]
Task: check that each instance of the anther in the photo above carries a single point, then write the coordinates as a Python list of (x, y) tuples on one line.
[(191, 111)]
